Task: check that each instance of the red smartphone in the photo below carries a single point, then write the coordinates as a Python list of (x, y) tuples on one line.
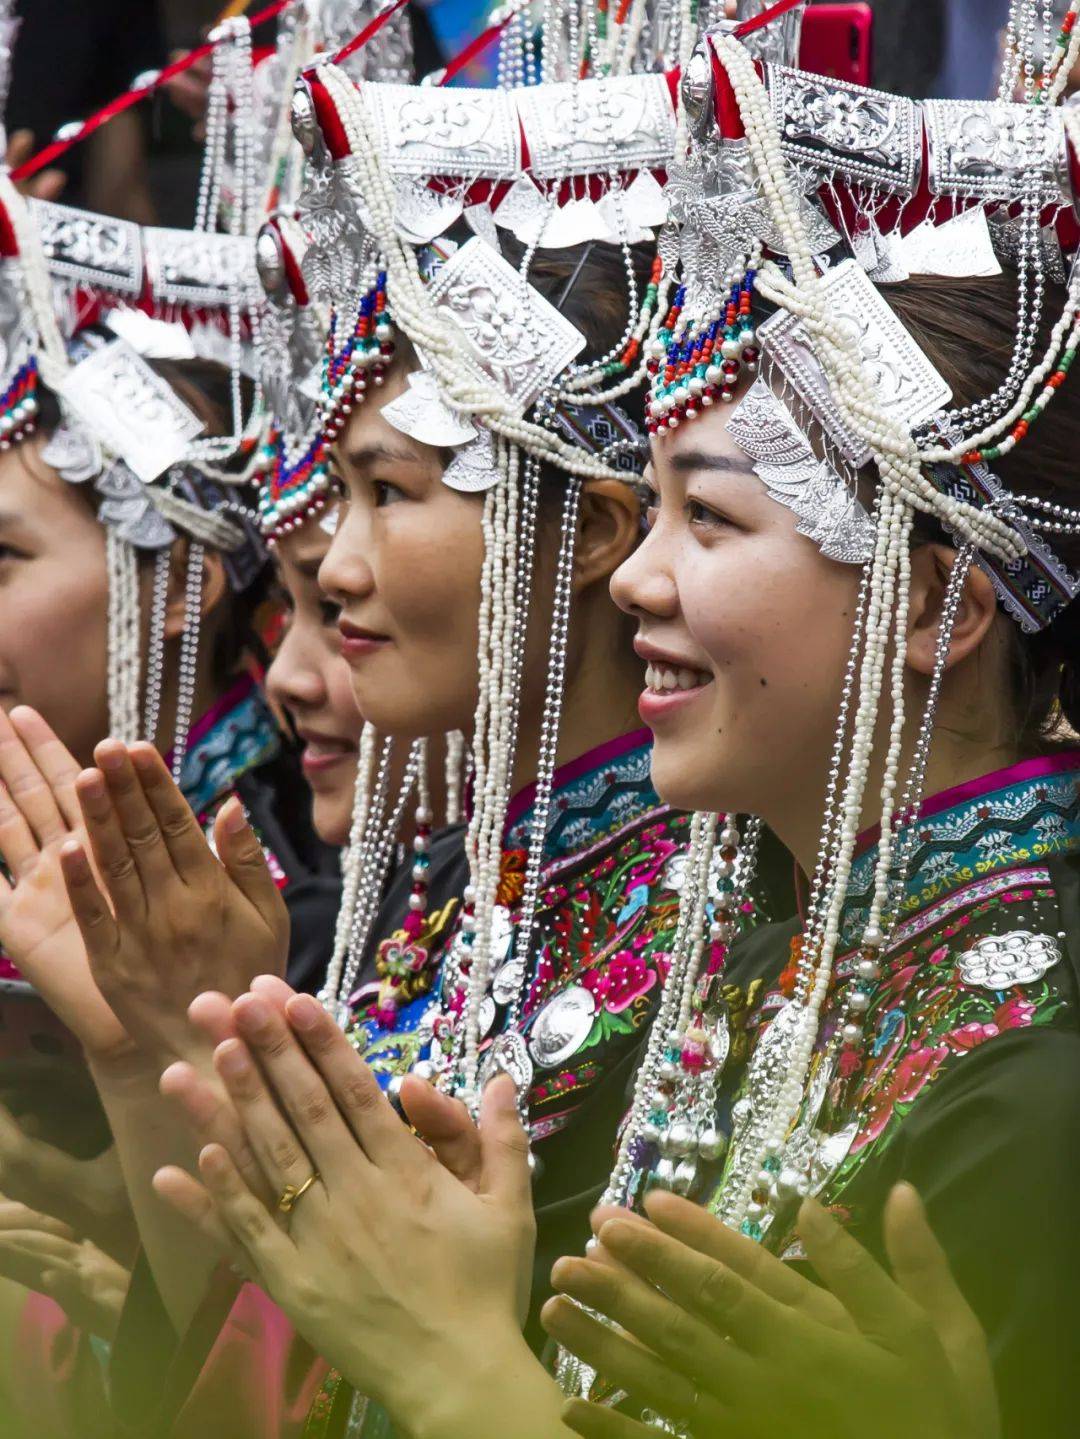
[(836, 41)]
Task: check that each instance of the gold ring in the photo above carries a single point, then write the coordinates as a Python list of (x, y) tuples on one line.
[(292, 1193)]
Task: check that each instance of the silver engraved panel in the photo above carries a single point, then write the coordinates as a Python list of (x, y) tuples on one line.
[(130, 409), (998, 961), (866, 134), (994, 149), (907, 384), (427, 131), (618, 123), (97, 249), (513, 337), (785, 462), (196, 268)]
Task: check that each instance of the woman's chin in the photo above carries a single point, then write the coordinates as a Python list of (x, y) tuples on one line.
[(683, 778), (331, 816)]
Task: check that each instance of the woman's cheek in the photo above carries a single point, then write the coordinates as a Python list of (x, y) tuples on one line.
[(55, 641)]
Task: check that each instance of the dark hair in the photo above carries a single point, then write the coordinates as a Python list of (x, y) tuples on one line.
[(967, 328), (206, 388)]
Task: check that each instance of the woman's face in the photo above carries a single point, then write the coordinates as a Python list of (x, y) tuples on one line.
[(53, 601), (310, 679), (746, 628), (405, 568)]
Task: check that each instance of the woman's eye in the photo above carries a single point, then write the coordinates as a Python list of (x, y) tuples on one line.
[(385, 493), (699, 514)]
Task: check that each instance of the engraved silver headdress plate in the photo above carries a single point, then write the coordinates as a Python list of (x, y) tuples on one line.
[(424, 130), (832, 125), (908, 386), (512, 337), (784, 460), (995, 149), (623, 123)]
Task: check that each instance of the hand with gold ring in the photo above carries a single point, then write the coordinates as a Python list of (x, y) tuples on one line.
[(724, 1339), (371, 1245), (292, 1194)]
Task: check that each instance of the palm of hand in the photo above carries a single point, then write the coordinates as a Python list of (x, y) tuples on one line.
[(39, 935)]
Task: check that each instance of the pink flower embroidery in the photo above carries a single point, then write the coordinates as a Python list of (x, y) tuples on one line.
[(625, 978), (1014, 1013), (914, 1071), (970, 1036)]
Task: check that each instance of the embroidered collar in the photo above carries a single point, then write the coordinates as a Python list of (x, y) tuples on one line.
[(1017, 816), (235, 735), (594, 796)]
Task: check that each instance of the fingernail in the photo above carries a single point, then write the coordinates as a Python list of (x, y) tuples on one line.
[(255, 1014), (74, 858), (231, 1059), (304, 1012), (111, 756), (234, 819), (92, 783), (814, 1221)]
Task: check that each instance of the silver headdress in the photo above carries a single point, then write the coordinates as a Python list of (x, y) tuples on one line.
[(784, 173), (151, 293), (501, 382)]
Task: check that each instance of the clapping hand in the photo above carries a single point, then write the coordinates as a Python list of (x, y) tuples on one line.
[(726, 1340), (373, 1247)]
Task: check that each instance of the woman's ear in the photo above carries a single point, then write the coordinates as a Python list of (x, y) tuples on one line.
[(609, 526), (215, 585), (931, 566)]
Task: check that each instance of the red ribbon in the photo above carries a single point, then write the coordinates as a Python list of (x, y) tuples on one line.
[(370, 30), (124, 102), (765, 18)]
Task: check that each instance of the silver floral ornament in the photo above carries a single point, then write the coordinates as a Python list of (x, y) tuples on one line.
[(998, 961)]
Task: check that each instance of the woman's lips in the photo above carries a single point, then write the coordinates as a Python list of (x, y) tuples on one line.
[(668, 688), (323, 752), (356, 643), (655, 706)]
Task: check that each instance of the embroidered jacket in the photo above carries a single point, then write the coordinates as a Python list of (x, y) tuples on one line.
[(968, 1083), (612, 872)]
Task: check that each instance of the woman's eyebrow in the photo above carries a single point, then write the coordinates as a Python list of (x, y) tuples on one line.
[(687, 461), (374, 453)]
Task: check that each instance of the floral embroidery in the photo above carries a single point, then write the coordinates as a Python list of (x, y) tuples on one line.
[(972, 878)]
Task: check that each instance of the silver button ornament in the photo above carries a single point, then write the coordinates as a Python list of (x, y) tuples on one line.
[(562, 1026), (998, 961)]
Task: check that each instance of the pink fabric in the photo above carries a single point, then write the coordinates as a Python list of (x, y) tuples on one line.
[(259, 1379), (57, 1389)]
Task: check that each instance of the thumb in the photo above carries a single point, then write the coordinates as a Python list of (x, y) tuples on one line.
[(242, 855), (504, 1144)]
